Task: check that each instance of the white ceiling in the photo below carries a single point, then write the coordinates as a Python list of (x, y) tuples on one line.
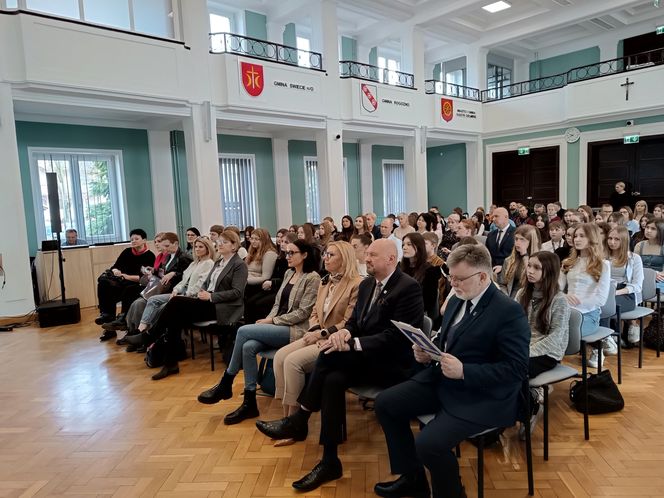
[(450, 26)]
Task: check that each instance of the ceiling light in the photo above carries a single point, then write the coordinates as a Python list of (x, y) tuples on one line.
[(496, 7)]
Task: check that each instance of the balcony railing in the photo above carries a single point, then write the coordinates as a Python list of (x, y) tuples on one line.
[(451, 90), (229, 43), (361, 71)]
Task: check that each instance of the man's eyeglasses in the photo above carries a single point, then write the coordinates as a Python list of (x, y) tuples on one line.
[(458, 280), (289, 254)]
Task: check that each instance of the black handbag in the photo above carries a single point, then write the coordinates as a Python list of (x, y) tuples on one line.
[(603, 394)]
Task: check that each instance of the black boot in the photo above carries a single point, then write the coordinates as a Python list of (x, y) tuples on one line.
[(223, 390), (248, 409)]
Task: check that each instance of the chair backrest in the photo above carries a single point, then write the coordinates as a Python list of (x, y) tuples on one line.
[(649, 287), (609, 308), (427, 325), (574, 341)]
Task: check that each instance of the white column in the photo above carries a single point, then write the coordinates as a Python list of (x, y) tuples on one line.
[(521, 70), (325, 39), (475, 180), (275, 32), (16, 298), (608, 49), (476, 67), (412, 54), (161, 173), (203, 167), (329, 149), (282, 188), (415, 165), (366, 177)]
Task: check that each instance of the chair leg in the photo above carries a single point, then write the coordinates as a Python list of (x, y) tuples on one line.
[(529, 458), (641, 342), (212, 352), (480, 467), (545, 422), (659, 315), (584, 375), (619, 355)]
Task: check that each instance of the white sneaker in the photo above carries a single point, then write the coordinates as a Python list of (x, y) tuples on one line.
[(592, 361), (633, 334), (609, 346)]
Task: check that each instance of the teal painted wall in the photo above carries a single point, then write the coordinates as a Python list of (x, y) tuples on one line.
[(297, 149), (437, 72), (446, 177), (261, 148), (373, 56), (255, 25), (573, 150), (348, 49), (378, 154), (290, 40), (135, 159), (352, 155), (563, 63)]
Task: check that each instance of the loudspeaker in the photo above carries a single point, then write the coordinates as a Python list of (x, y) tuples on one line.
[(53, 202), (55, 313)]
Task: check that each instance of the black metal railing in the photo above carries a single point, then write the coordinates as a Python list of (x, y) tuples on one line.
[(229, 43), (362, 71), (451, 90), (590, 71)]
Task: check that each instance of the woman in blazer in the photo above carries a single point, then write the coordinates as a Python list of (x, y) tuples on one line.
[(221, 297), (288, 321), (335, 301)]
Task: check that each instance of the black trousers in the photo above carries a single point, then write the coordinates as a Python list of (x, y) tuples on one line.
[(110, 291), (540, 364), (257, 302), (179, 312), (434, 445), (333, 374)]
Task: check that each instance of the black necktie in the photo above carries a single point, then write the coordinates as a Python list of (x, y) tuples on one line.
[(499, 239), (453, 328)]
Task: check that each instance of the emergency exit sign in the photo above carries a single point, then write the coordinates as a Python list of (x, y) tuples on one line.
[(523, 151), (659, 30), (631, 139)]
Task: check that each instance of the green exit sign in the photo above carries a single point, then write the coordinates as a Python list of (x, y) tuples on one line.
[(524, 151), (631, 139), (659, 30)]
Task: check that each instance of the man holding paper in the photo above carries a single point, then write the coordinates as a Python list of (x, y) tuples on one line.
[(475, 386)]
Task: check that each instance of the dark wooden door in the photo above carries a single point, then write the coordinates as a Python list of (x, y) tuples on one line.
[(527, 179), (640, 164)]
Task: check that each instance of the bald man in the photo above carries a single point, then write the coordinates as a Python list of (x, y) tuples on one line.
[(386, 228), (370, 350), (501, 240)]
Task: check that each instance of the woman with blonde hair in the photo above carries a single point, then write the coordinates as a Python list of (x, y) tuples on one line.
[(527, 242), (404, 227), (640, 208), (260, 260), (585, 278), (334, 306)]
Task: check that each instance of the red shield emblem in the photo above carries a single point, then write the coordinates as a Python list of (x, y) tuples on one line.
[(369, 102), (447, 109), (252, 78)]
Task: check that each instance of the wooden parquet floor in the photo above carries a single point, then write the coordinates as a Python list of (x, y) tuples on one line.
[(81, 418)]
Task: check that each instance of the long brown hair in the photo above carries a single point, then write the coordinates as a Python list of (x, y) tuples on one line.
[(595, 250), (418, 265), (619, 257), (514, 263), (256, 255), (548, 285)]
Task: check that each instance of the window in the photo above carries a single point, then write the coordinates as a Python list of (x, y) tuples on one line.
[(447, 86), (90, 191), (219, 24), (498, 81), (110, 13), (303, 49), (64, 8), (238, 189), (388, 74), (311, 189), (154, 16), (394, 187)]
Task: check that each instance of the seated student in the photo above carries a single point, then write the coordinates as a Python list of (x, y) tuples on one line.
[(335, 301), (370, 349), (564, 251), (526, 243), (347, 229), (651, 248), (475, 386), (542, 224), (404, 227), (556, 236), (191, 234), (415, 264), (361, 243), (448, 237), (585, 278), (190, 285), (170, 273), (71, 238), (552, 212), (260, 261), (641, 233), (288, 321), (221, 297), (241, 252), (630, 222), (122, 284), (548, 315)]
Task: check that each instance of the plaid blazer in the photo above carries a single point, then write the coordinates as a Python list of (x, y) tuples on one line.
[(300, 303)]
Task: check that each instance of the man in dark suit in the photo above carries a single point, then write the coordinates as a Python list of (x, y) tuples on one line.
[(474, 386), (370, 350), (500, 241)]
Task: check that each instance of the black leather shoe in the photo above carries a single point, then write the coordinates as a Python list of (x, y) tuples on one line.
[(223, 390), (323, 472), (248, 409), (165, 372), (283, 428), (108, 335), (118, 324), (137, 339), (104, 318), (414, 484)]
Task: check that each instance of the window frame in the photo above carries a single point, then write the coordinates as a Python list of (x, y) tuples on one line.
[(401, 208), (116, 179), (252, 159)]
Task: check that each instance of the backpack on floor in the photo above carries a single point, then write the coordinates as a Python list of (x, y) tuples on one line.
[(650, 334)]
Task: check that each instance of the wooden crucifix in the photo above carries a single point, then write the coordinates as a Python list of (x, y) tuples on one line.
[(627, 84)]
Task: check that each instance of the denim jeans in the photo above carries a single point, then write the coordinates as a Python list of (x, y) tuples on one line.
[(590, 322), (249, 341), (153, 309)]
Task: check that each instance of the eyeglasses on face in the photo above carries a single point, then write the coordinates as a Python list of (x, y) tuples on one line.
[(458, 280), (328, 254), (289, 254)]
